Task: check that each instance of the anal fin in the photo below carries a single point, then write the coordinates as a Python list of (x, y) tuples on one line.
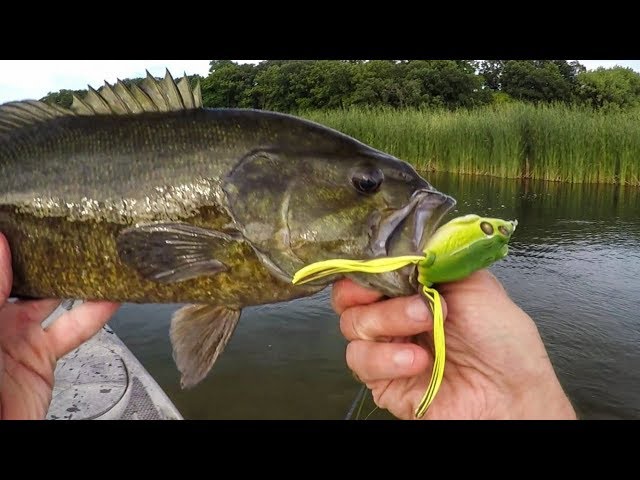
[(199, 334)]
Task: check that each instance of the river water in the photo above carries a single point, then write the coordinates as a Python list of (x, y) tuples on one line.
[(574, 266)]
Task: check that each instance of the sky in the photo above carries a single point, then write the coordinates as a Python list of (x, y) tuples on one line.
[(33, 79)]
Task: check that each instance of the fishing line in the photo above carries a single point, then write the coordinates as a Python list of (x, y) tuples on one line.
[(361, 394)]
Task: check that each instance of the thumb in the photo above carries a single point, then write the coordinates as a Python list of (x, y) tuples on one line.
[(6, 272)]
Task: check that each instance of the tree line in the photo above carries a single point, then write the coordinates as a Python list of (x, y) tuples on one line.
[(302, 85)]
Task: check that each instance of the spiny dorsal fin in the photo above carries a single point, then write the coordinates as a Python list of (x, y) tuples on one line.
[(143, 99), (96, 103), (15, 115), (115, 103), (170, 91), (197, 95), (127, 97), (150, 96), (79, 107), (185, 91), (152, 88)]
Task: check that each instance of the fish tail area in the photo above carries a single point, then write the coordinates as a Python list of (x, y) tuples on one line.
[(434, 299), (326, 268)]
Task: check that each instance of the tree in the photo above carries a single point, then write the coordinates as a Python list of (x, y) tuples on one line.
[(383, 83), (538, 80), (63, 98), (610, 88), (217, 64), (447, 83), (228, 85), (333, 82), (532, 80), (491, 72), (296, 85), (284, 86)]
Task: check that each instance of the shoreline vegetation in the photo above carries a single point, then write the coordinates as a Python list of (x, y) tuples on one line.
[(513, 140), (530, 119)]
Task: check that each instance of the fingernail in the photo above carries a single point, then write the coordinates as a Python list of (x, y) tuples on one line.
[(417, 310), (403, 358)]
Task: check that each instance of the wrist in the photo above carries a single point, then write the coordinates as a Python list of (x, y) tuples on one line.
[(544, 399)]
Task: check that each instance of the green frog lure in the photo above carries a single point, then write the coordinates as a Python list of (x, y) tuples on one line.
[(455, 250)]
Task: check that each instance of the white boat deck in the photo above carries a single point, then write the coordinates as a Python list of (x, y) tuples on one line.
[(103, 380)]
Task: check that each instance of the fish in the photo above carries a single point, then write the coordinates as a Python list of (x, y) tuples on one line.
[(140, 194)]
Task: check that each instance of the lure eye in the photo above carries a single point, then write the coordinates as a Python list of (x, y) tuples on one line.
[(504, 231), (487, 228), (368, 181)]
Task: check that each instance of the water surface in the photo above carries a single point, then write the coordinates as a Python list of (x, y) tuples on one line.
[(574, 266)]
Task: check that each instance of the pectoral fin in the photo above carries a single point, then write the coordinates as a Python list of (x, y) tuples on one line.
[(199, 334), (172, 252)]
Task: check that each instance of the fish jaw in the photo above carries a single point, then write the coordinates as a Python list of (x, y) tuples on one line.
[(406, 230)]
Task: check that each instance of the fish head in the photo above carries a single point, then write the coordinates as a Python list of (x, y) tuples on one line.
[(298, 206)]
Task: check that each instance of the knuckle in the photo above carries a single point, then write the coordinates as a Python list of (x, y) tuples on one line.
[(352, 356), (345, 323), (351, 324), (336, 298)]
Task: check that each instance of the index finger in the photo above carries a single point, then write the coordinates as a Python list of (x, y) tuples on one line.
[(346, 294)]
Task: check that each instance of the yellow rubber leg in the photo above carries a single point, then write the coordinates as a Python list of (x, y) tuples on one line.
[(439, 351)]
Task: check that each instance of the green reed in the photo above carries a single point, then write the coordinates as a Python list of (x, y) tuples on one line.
[(514, 140)]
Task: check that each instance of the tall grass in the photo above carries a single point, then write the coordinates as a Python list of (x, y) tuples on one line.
[(508, 140)]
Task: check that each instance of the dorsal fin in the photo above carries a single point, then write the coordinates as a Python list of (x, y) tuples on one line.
[(115, 103), (151, 96), (197, 95), (20, 114), (127, 97), (151, 87), (185, 91), (170, 90), (97, 104)]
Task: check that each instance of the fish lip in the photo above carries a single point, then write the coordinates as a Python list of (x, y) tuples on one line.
[(427, 207), (428, 214)]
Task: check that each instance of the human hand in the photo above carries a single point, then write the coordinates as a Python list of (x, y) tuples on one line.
[(496, 364), (28, 353)]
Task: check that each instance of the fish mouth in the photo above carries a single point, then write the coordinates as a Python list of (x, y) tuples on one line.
[(406, 230)]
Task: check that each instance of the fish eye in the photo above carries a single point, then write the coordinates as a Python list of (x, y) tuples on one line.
[(503, 230), (367, 181), (487, 228)]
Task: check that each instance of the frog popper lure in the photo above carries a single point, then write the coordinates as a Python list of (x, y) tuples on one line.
[(455, 250)]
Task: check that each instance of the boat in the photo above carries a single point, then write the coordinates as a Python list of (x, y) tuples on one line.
[(103, 380)]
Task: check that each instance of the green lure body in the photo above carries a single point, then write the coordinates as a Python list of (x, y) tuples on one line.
[(462, 246)]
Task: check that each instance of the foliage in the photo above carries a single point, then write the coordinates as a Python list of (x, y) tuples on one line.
[(297, 85), (610, 88), (546, 119), (514, 140)]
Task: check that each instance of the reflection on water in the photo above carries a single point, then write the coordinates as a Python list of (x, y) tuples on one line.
[(574, 266)]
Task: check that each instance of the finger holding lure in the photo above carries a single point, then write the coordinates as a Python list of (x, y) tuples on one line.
[(454, 251)]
